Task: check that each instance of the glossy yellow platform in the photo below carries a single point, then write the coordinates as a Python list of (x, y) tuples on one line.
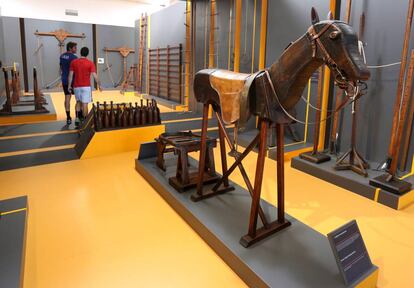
[(29, 118), (120, 140)]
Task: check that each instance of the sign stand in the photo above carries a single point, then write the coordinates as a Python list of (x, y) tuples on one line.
[(352, 257)]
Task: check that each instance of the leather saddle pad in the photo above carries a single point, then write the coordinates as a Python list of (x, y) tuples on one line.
[(229, 86)]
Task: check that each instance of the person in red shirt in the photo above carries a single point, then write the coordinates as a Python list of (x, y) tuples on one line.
[(83, 68)]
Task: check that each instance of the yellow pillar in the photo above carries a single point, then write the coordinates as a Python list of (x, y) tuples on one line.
[(237, 36), (325, 97), (254, 35), (148, 47), (212, 34), (187, 56), (263, 34)]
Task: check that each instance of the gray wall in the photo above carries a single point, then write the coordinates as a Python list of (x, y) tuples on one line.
[(114, 37), (224, 59), (12, 44), (288, 20), (167, 27), (2, 55), (47, 59)]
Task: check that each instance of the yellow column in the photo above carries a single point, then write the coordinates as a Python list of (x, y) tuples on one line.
[(325, 96), (263, 34), (230, 35), (187, 56), (212, 31), (237, 36), (148, 47), (254, 35)]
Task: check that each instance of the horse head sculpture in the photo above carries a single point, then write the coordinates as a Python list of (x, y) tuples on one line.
[(329, 42)]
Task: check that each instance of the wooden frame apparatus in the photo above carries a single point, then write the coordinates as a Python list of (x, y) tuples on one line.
[(124, 52), (60, 36)]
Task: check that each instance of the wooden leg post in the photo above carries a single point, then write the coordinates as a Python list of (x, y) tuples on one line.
[(389, 181), (223, 155), (203, 151), (238, 163), (7, 107), (315, 156), (280, 173), (199, 195), (254, 235), (356, 162)]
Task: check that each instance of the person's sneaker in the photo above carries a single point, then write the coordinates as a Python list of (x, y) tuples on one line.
[(68, 120), (77, 122)]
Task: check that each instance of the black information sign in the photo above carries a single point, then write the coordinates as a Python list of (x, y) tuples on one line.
[(350, 252)]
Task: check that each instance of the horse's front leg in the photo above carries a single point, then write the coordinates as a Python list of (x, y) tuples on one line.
[(254, 235), (203, 150), (258, 179), (280, 158)]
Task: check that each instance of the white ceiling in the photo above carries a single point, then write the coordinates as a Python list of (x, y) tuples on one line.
[(152, 2)]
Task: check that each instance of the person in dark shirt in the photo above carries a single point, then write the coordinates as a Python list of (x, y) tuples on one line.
[(65, 60)]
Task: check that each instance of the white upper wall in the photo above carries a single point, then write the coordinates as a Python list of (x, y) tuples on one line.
[(109, 12)]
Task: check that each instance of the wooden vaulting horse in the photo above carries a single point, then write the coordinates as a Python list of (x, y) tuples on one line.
[(272, 95)]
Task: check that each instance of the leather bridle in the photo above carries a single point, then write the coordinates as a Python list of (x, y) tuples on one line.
[(352, 88), (316, 43)]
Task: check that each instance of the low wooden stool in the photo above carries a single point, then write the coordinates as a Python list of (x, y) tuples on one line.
[(182, 143)]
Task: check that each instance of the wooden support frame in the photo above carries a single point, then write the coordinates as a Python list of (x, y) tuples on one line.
[(124, 52), (254, 234), (334, 137), (37, 102), (389, 180), (315, 156), (60, 35), (143, 43)]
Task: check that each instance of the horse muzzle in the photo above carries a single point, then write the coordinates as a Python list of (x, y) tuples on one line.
[(362, 74)]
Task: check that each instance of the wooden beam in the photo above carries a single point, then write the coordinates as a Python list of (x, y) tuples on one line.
[(187, 59), (394, 144), (212, 34), (334, 8), (237, 33), (263, 35), (24, 57)]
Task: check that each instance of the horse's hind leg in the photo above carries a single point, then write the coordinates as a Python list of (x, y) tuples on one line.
[(280, 157), (258, 179)]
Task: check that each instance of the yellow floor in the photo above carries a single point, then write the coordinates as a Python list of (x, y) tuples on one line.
[(388, 233), (97, 223)]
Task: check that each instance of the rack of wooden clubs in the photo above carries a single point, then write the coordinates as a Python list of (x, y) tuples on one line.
[(123, 115)]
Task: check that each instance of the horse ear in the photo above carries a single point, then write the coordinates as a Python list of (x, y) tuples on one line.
[(330, 16), (314, 16)]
